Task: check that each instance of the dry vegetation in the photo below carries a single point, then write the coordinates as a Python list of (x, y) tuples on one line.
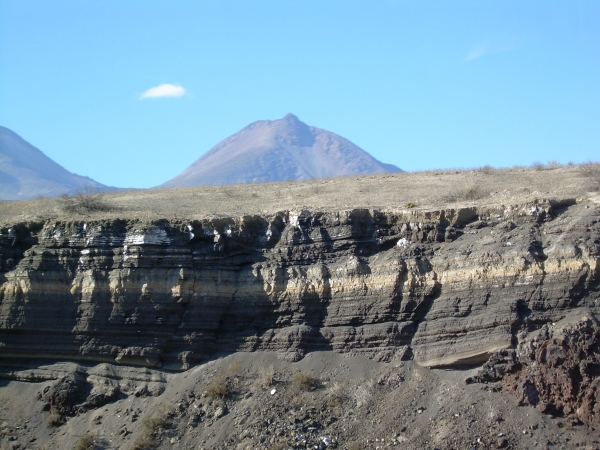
[(265, 377), (364, 392), (85, 442), (55, 419), (148, 438), (84, 201), (219, 387), (304, 381), (388, 192), (352, 445)]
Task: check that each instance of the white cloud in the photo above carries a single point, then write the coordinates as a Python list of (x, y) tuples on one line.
[(477, 52), (164, 90), (498, 44)]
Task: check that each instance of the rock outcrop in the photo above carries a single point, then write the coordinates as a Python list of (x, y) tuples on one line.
[(554, 368), (445, 288)]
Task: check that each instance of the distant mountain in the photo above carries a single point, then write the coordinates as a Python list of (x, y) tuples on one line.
[(25, 172), (278, 150)]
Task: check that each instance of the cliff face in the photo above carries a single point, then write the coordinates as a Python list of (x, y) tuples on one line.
[(444, 288)]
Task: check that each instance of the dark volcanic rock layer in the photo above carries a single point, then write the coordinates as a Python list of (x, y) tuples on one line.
[(444, 288)]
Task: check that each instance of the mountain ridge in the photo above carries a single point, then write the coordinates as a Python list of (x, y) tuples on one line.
[(26, 172)]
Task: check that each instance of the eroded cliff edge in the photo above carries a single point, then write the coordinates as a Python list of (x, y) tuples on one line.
[(445, 288)]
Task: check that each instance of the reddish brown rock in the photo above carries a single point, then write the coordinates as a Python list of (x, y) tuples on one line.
[(555, 369)]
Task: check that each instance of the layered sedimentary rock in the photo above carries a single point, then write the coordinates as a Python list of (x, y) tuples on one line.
[(444, 288)]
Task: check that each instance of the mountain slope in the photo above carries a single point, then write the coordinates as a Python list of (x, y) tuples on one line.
[(26, 172), (284, 149)]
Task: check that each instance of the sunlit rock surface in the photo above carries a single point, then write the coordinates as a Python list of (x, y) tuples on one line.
[(445, 288)]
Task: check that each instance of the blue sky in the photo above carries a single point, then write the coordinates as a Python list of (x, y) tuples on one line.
[(422, 85)]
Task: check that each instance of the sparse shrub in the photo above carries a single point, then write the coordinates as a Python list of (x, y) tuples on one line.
[(591, 170), (353, 445), (469, 193), (85, 442), (364, 392), (410, 205), (156, 423), (487, 169), (473, 193), (218, 388), (84, 201), (56, 419), (336, 394), (279, 446), (235, 367), (227, 192), (304, 381), (147, 439), (144, 441), (553, 164), (266, 376), (537, 165)]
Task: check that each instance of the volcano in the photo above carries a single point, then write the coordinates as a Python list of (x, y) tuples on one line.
[(279, 150)]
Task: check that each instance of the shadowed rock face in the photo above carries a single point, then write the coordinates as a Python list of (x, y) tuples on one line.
[(444, 288), (26, 172), (279, 150)]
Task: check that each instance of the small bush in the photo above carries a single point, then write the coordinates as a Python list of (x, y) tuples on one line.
[(537, 165), (218, 388), (56, 419), (84, 201), (235, 367), (266, 376), (410, 205), (85, 442), (144, 441), (279, 446), (336, 394), (353, 445), (590, 169), (304, 381), (473, 193), (153, 424), (553, 164), (469, 193), (364, 392), (487, 169), (147, 439)]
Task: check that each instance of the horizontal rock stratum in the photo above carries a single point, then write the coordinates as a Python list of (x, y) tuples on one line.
[(444, 287)]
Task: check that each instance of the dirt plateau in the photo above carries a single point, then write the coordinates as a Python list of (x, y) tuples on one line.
[(472, 327)]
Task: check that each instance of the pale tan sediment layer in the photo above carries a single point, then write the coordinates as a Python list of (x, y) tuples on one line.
[(442, 287)]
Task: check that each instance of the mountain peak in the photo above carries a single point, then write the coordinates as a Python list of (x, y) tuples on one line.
[(289, 117), (279, 150), (26, 172)]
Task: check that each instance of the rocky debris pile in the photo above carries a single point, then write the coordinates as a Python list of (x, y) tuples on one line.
[(555, 369), (352, 403)]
